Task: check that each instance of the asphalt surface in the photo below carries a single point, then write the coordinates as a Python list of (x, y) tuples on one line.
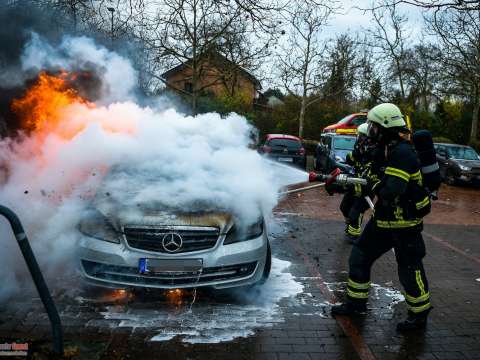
[(288, 317)]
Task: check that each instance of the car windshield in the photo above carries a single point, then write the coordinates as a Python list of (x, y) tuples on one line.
[(345, 119), (461, 152), (344, 143), (288, 143)]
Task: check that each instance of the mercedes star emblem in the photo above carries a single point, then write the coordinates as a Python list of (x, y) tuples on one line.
[(172, 242)]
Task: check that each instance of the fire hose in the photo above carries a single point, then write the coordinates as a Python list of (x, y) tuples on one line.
[(37, 277), (336, 177)]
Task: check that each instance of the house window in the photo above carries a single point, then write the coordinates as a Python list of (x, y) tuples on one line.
[(188, 87)]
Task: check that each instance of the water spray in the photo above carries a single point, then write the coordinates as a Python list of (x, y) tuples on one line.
[(336, 177)]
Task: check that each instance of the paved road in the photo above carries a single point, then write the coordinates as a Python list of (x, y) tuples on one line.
[(288, 318)]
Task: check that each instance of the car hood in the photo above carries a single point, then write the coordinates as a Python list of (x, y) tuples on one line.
[(469, 163), (155, 214)]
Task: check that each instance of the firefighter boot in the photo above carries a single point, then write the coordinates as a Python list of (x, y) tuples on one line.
[(349, 309), (414, 321)]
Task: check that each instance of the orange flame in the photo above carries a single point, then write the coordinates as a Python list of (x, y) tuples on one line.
[(175, 296), (41, 108)]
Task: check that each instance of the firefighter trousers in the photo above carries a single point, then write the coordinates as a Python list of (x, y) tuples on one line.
[(352, 208), (409, 251)]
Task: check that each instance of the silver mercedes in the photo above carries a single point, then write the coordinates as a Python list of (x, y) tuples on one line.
[(155, 247)]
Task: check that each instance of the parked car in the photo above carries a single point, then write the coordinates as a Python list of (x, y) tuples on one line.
[(332, 151), (347, 125), (458, 163), (152, 246), (287, 149)]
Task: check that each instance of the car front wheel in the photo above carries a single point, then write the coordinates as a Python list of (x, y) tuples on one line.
[(450, 178)]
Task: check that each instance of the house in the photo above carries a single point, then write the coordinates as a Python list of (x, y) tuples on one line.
[(217, 76), (270, 99)]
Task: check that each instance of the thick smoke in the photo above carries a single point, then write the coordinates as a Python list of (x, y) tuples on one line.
[(21, 18), (133, 154), (81, 53), (18, 21)]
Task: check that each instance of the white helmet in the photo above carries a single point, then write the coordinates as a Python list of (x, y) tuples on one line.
[(362, 129)]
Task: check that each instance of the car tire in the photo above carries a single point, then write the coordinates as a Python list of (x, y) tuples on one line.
[(450, 178)]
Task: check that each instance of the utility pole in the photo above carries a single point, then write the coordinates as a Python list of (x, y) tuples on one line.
[(112, 10)]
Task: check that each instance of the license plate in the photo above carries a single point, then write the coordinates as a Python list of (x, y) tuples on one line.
[(286, 159), (152, 266)]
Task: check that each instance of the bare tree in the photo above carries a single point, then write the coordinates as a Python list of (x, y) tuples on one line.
[(168, 33), (458, 32), (94, 15), (460, 5), (301, 58), (388, 39), (186, 31), (241, 52)]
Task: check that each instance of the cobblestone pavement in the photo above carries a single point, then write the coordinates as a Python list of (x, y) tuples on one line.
[(288, 318)]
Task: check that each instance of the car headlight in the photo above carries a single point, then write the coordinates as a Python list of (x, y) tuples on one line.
[(237, 234), (96, 225), (464, 167)]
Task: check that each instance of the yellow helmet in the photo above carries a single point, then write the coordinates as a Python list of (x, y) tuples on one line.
[(387, 116)]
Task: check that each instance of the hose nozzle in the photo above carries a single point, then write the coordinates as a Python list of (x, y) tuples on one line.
[(313, 176)]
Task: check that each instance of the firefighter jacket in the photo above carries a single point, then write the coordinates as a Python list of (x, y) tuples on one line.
[(360, 161), (402, 201), (368, 162), (356, 159)]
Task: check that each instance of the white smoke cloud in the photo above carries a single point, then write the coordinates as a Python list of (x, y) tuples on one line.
[(175, 159)]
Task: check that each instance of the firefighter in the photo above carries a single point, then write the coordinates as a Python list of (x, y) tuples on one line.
[(353, 204), (396, 223)]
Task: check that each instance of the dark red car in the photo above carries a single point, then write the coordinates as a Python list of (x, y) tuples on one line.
[(287, 149)]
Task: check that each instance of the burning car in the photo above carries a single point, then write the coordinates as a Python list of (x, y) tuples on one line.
[(151, 245)]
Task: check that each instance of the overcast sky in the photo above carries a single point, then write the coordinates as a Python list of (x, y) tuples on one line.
[(352, 19)]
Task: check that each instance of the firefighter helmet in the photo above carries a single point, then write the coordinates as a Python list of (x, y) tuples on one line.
[(387, 116), (363, 129)]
